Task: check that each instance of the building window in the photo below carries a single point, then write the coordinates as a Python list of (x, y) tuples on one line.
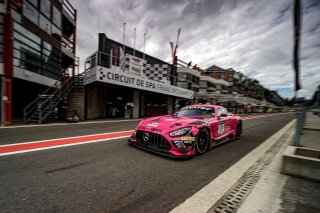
[(45, 24), (203, 83), (182, 76), (34, 3), (26, 57), (50, 61), (202, 90), (30, 12), (35, 55), (26, 41), (56, 17), (23, 31), (46, 8), (56, 33)]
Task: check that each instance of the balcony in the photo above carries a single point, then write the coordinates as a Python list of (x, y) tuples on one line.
[(69, 12)]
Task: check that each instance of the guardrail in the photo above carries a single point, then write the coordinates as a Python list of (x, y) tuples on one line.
[(301, 117)]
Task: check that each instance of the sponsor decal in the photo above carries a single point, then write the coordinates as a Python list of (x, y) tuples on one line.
[(156, 130), (152, 125), (135, 65), (188, 138), (199, 107), (221, 127), (170, 119), (142, 127)]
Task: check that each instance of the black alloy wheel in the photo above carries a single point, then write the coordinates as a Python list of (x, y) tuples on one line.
[(239, 129), (202, 141)]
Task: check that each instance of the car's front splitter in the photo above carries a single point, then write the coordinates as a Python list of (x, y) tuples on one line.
[(157, 150)]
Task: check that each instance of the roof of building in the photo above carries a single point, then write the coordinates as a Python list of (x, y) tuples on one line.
[(214, 68)]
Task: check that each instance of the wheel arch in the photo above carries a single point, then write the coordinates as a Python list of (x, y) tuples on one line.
[(209, 131)]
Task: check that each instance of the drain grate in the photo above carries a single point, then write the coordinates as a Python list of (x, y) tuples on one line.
[(232, 200)]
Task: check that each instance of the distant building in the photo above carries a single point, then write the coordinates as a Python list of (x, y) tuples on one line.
[(188, 78), (226, 87)]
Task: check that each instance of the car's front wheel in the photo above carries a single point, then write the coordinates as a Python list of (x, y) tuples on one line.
[(202, 141)]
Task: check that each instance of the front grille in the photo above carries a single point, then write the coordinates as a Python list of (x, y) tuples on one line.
[(154, 140)]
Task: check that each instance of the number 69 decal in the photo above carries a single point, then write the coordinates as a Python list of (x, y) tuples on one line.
[(221, 128)]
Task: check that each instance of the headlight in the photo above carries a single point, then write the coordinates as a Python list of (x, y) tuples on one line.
[(180, 132)]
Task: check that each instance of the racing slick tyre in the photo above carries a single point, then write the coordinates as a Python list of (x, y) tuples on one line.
[(239, 130), (202, 141)]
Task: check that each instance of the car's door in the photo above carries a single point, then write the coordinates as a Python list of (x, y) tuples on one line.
[(224, 121), (227, 120), (219, 129)]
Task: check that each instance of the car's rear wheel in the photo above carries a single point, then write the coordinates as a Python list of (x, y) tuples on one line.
[(239, 129), (202, 141)]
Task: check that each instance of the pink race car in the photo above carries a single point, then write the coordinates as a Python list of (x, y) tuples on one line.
[(192, 130)]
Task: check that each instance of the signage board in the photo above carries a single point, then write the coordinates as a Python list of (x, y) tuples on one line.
[(111, 76)]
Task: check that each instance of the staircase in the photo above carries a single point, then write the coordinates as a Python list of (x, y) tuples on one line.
[(44, 105)]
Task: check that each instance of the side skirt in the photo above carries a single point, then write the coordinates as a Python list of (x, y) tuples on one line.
[(226, 139)]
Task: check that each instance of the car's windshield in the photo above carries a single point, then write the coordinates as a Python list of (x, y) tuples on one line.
[(195, 113)]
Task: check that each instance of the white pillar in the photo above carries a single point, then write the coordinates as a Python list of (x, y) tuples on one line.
[(136, 103)]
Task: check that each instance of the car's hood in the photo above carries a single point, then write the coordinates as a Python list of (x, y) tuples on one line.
[(166, 124)]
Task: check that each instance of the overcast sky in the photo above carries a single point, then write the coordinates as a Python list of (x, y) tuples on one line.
[(254, 37)]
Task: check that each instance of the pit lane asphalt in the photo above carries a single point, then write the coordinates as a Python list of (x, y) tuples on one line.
[(112, 176)]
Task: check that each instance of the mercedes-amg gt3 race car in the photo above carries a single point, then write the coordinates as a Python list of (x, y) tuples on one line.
[(191, 130)]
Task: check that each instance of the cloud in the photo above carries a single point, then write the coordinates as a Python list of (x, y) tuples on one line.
[(254, 37)]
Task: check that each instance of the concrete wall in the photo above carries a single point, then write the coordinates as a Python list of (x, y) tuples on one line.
[(76, 102), (136, 103), (96, 102), (299, 165)]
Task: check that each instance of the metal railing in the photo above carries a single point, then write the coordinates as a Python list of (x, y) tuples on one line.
[(67, 43), (69, 9), (301, 118), (44, 105)]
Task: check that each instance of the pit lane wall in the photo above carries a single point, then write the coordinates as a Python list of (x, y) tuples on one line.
[(110, 76)]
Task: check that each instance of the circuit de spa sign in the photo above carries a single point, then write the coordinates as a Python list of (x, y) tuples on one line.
[(110, 76)]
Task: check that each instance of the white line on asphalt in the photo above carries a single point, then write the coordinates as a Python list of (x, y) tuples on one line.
[(206, 197), (54, 139), (61, 124), (65, 145)]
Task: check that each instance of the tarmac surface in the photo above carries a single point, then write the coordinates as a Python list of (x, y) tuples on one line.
[(111, 176), (276, 192), (255, 183)]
